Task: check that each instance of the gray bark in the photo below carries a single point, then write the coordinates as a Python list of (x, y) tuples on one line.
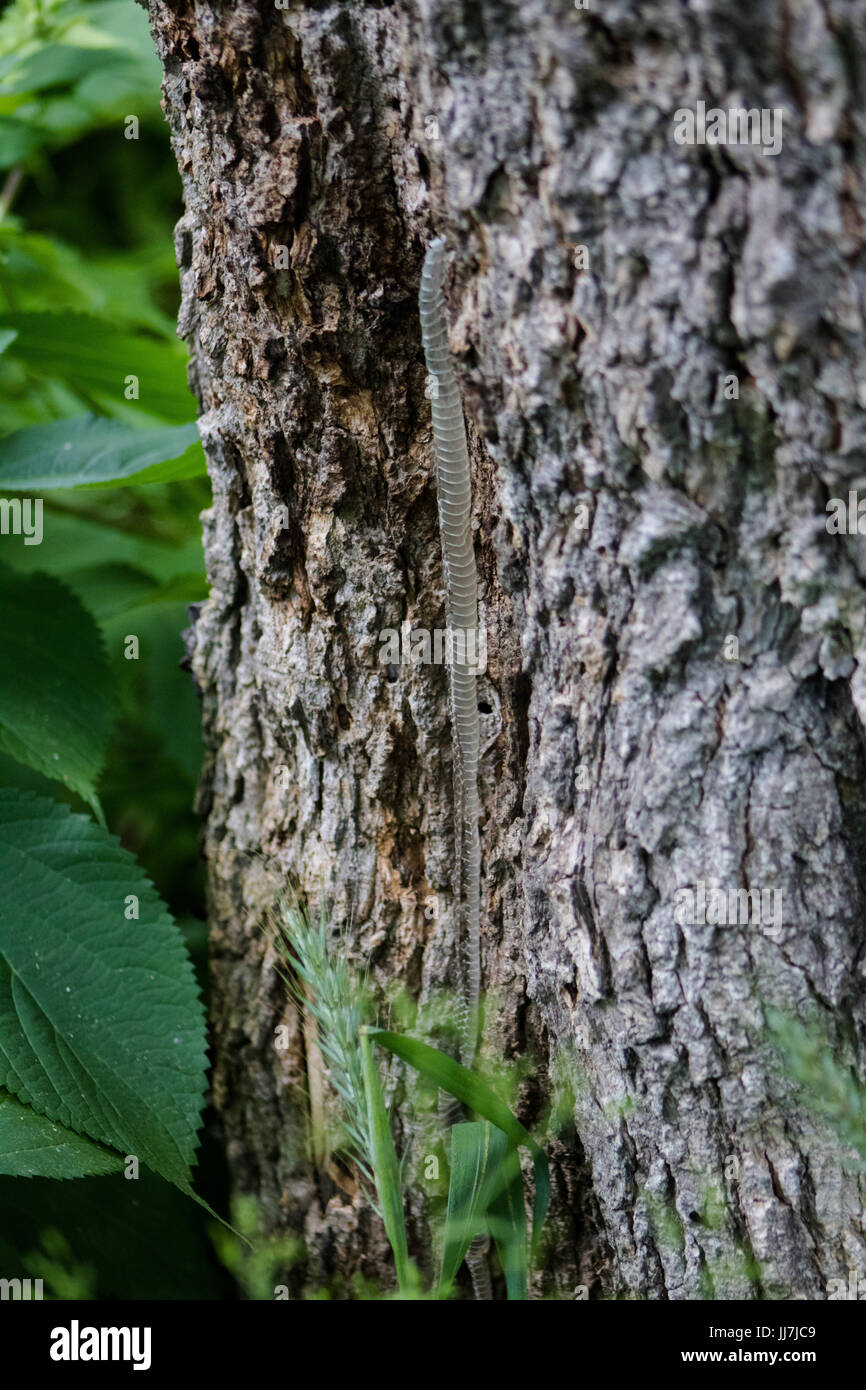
[(626, 755)]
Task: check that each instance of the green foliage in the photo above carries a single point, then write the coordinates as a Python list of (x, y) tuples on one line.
[(506, 1222), (54, 683), (101, 1026), (41, 272), (68, 67), (259, 1265), (485, 1192), (320, 981), (485, 1187), (473, 1091), (385, 1165), (56, 1264), (98, 362), (92, 450), (32, 1146)]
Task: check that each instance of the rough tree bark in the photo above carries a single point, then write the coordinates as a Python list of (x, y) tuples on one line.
[(630, 520)]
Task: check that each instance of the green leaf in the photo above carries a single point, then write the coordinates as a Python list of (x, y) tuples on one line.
[(123, 591), (93, 356), (48, 273), (91, 450), (506, 1221), (109, 590), (486, 1191), (32, 1146), (385, 1166), (101, 1024), (52, 65), (18, 140), (76, 543), (478, 1153), (54, 683), (155, 687), (472, 1091)]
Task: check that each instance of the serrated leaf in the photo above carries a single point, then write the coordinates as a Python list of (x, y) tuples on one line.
[(91, 450), (469, 1088), (101, 1024), (54, 682), (32, 1146)]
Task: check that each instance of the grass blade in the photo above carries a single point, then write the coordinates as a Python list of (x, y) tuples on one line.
[(468, 1193), (472, 1091), (506, 1220), (484, 1168), (385, 1166)]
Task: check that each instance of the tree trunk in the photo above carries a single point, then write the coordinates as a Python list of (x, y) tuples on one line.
[(660, 351)]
